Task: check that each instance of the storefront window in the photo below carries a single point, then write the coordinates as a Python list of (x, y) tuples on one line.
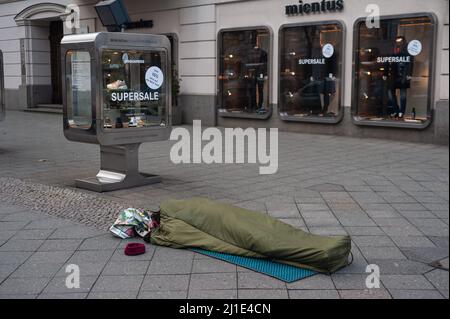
[(393, 71), (310, 72), (244, 72), (79, 98), (134, 89)]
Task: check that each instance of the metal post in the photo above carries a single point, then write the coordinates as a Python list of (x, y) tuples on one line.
[(119, 169)]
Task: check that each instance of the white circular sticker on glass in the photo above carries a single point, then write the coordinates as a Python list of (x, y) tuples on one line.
[(414, 47), (328, 50), (154, 78)]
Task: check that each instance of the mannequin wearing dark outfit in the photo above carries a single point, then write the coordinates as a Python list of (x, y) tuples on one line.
[(398, 76), (329, 89), (256, 70)]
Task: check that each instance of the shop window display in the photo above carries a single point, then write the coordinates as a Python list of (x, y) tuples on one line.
[(393, 71), (133, 86), (243, 72), (310, 72)]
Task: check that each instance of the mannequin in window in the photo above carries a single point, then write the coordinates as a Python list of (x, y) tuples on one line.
[(398, 76), (329, 89), (256, 72)]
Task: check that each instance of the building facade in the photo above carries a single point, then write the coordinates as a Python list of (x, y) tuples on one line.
[(326, 67)]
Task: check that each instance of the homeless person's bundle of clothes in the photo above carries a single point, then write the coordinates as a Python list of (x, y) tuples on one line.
[(209, 225)]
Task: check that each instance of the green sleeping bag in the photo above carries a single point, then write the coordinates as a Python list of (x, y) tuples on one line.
[(210, 225)]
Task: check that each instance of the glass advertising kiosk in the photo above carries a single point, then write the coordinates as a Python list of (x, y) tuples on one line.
[(2, 89), (116, 94)]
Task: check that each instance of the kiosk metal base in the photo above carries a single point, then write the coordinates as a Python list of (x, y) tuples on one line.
[(118, 170)]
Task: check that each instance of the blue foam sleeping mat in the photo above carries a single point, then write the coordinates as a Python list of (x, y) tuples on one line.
[(286, 273)]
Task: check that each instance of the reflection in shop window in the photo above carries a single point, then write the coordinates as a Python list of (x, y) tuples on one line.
[(393, 73), (133, 89), (79, 98), (310, 71), (243, 72)]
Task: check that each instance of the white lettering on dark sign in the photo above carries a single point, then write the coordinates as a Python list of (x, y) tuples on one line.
[(134, 96), (311, 61), (394, 59)]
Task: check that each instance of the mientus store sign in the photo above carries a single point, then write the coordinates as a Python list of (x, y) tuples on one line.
[(315, 7)]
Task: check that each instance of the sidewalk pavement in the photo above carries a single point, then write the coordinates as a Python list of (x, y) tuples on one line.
[(391, 197)]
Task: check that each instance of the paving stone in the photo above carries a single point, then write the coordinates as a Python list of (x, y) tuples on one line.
[(7, 234), (167, 266), (412, 241), (254, 280), (425, 254), (12, 225), (213, 294), (440, 241), (439, 279), (417, 214), (405, 282), (19, 217), (313, 294), (401, 222), (7, 257), (401, 230), (24, 296), (58, 285), (318, 281), (415, 294), (165, 282), (23, 286), (365, 294), (212, 266), (372, 253), (118, 283), (350, 281), (35, 270), (60, 245), (364, 231), (21, 245), (74, 232), (33, 234), (49, 223), (356, 221), (113, 295), (50, 256), (86, 269), (171, 253), (126, 268), (63, 296), (263, 294), (294, 222), (373, 241), (89, 256), (100, 243), (6, 270), (213, 281), (172, 294), (9, 209), (328, 231), (401, 267)]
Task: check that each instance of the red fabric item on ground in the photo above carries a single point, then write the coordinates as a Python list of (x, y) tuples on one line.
[(133, 249)]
